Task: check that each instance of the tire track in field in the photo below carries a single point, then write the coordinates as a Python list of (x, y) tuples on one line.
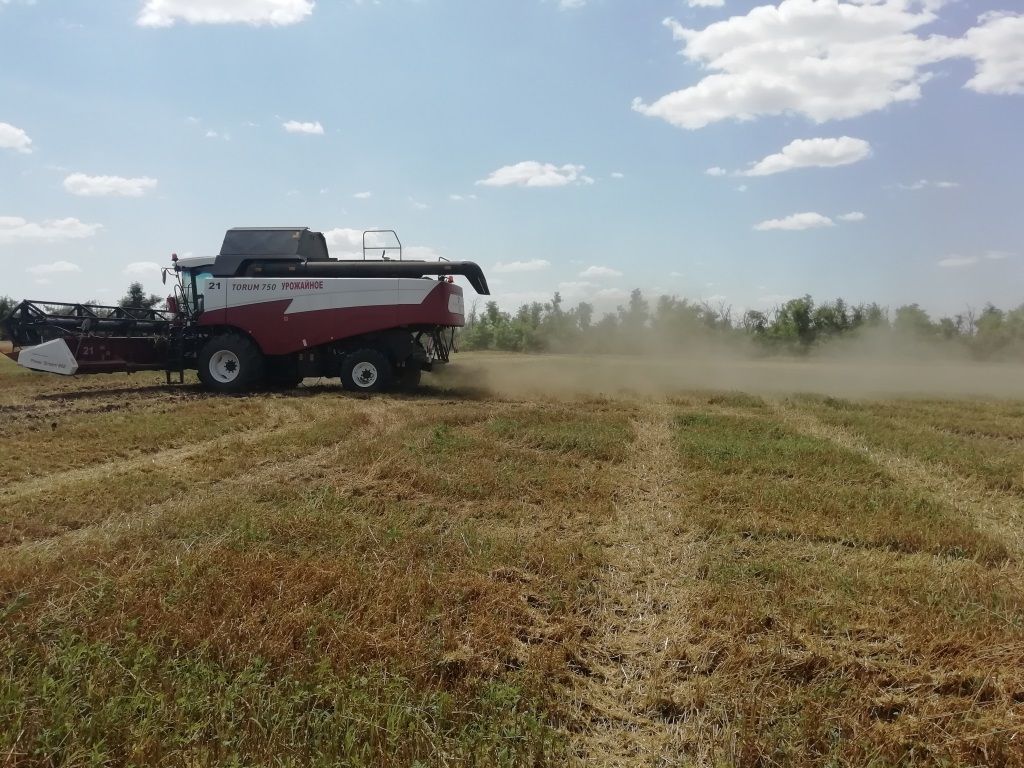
[(994, 513), (641, 604), (385, 418), (284, 421)]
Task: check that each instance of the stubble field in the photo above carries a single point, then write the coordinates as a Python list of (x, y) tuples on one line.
[(488, 575)]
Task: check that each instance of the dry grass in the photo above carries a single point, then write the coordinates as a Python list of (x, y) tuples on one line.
[(316, 579)]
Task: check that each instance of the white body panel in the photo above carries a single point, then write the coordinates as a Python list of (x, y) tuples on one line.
[(314, 294), (52, 357)]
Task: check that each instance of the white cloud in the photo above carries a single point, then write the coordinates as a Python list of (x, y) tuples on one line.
[(997, 47), (533, 174), (705, 3), (925, 184), (344, 242), (600, 272), (570, 5), (16, 229), (418, 205), (958, 261), (618, 175), (796, 221), (531, 265), (812, 153), (101, 186), (742, 188), (461, 198), (142, 268), (277, 13), (363, 195), (57, 267), (294, 126), (716, 171), (830, 60), (852, 216), (955, 260), (14, 138)]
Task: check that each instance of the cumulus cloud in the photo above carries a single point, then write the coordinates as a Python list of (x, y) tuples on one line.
[(716, 171), (101, 186), (796, 221), (277, 13), (997, 47), (313, 129), (705, 3), (14, 138), (531, 265), (345, 242), (618, 175), (830, 60), (852, 216), (57, 267), (812, 153), (600, 272), (533, 174), (15, 229)]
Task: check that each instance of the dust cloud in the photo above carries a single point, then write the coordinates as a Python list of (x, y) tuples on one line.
[(524, 375)]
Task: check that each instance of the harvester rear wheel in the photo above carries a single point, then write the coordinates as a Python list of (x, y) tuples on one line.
[(366, 370), (231, 363)]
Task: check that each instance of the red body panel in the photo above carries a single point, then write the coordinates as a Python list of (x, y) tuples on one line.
[(279, 333)]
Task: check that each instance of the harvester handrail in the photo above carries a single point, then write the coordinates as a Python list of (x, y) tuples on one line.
[(385, 249)]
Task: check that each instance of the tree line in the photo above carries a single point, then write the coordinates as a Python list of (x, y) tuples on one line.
[(798, 326)]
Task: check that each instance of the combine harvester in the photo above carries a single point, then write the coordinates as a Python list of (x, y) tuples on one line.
[(270, 310)]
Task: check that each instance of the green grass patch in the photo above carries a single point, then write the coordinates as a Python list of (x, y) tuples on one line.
[(752, 474), (982, 441), (132, 701)]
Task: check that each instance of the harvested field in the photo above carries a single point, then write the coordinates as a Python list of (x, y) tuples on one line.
[(503, 576)]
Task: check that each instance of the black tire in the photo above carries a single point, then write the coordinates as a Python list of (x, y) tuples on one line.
[(231, 363), (366, 370), (409, 377)]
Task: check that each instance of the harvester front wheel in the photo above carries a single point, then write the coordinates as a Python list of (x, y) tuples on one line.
[(366, 370), (231, 363)]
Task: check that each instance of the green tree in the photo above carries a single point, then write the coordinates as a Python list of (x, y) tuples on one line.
[(136, 298), (6, 305)]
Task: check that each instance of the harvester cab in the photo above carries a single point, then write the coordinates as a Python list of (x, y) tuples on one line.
[(271, 308)]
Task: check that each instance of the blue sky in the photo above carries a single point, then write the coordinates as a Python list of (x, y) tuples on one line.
[(562, 144)]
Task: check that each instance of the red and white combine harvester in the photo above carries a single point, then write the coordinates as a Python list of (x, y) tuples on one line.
[(272, 308)]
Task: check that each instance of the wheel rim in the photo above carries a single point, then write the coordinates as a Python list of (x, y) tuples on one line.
[(364, 375), (224, 366)]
